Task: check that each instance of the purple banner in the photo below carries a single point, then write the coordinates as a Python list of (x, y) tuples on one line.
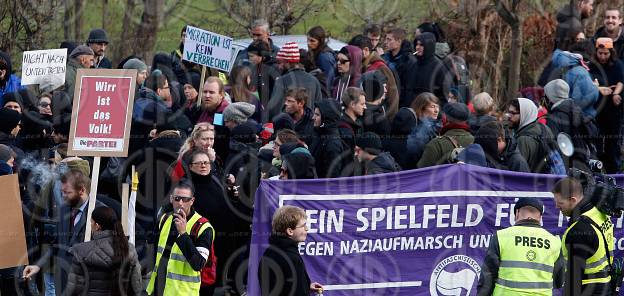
[(420, 232)]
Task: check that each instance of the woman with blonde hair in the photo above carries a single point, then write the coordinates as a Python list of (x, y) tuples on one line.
[(202, 137)]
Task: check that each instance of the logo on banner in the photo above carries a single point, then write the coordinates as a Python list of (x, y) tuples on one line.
[(454, 275)]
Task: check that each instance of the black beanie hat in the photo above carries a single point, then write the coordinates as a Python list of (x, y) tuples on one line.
[(10, 119), (244, 133), (456, 111), (369, 142), (97, 36)]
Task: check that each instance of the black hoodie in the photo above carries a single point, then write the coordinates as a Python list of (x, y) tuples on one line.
[(328, 149), (426, 74)]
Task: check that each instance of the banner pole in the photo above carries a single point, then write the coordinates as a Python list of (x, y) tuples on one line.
[(201, 86), (95, 175), (125, 193)]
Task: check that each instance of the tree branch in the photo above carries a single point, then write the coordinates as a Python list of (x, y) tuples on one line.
[(509, 17)]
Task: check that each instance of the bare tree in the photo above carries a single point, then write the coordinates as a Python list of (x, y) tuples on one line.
[(147, 30), (510, 14), (280, 14), (78, 20)]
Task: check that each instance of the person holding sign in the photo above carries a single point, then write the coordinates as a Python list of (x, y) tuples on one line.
[(70, 228), (281, 270)]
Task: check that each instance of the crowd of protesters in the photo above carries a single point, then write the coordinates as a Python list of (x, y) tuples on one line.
[(388, 101)]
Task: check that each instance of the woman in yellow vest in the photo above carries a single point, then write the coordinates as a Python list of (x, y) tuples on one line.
[(588, 258), (524, 259), (179, 258)]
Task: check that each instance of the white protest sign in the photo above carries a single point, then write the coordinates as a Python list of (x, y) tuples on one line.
[(207, 48), (44, 67), (235, 50)]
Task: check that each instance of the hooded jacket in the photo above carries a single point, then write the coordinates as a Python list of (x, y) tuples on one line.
[(426, 74), (527, 135), (383, 163), (403, 124), (344, 80), (305, 126), (375, 63), (375, 120), (11, 83), (582, 89), (328, 149)]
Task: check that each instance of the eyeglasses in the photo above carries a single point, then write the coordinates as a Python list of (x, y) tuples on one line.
[(182, 198), (201, 163), (300, 226), (341, 61), (44, 105)]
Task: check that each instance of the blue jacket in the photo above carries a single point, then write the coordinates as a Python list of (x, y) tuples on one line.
[(582, 90), (12, 85), (426, 130), (327, 63)]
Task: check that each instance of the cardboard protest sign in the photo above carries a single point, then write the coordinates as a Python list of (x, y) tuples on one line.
[(12, 233), (102, 112), (44, 67), (207, 48)]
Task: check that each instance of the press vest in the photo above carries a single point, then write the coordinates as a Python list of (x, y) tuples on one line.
[(597, 265), (181, 279), (527, 260)]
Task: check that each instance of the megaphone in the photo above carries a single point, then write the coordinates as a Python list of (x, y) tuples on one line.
[(564, 142)]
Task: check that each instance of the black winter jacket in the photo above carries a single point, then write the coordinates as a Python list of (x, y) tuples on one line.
[(282, 270)]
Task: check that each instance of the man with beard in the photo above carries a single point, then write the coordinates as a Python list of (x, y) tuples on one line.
[(70, 228), (98, 42), (612, 28)]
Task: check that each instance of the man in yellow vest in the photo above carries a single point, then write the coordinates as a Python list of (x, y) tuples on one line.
[(180, 258), (588, 242), (524, 259)]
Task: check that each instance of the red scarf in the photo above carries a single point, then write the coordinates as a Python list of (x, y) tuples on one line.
[(446, 126)]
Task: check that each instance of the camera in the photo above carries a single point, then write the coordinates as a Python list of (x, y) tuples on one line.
[(602, 191)]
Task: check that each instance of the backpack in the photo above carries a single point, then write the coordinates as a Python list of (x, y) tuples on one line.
[(452, 156), (209, 271), (553, 162)]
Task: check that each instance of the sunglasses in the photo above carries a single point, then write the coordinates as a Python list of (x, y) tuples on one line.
[(341, 61), (201, 163), (182, 198)]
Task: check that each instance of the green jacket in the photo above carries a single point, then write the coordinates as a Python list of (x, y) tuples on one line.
[(437, 151), (529, 146), (70, 76)]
